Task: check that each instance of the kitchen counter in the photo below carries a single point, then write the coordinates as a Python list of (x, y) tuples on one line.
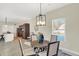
[(8, 37)]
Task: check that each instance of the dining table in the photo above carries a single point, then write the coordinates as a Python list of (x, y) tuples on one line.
[(39, 47)]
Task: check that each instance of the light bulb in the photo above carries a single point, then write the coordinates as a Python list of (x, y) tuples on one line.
[(38, 23)]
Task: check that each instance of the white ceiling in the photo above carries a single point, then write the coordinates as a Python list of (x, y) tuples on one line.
[(16, 12)]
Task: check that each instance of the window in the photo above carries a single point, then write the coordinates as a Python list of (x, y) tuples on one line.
[(58, 26)]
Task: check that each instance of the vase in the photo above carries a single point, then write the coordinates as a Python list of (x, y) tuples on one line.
[(40, 38)]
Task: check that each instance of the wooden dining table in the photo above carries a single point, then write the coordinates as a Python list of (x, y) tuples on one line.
[(39, 47), (35, 43)]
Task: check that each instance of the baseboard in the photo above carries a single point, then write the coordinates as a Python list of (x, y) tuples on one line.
[(68, 51)]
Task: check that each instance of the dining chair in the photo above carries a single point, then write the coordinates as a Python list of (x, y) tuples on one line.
[(52, 49), (53, 38)]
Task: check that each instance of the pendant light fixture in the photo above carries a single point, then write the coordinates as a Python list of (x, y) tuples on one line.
[(41, 19)]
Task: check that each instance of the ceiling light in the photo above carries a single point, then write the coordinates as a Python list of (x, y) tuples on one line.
[(41, 19)]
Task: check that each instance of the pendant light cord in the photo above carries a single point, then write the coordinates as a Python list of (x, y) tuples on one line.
[(5, 20), (40, 8)]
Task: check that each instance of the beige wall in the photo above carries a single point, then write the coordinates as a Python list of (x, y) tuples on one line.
[(71, 14)]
